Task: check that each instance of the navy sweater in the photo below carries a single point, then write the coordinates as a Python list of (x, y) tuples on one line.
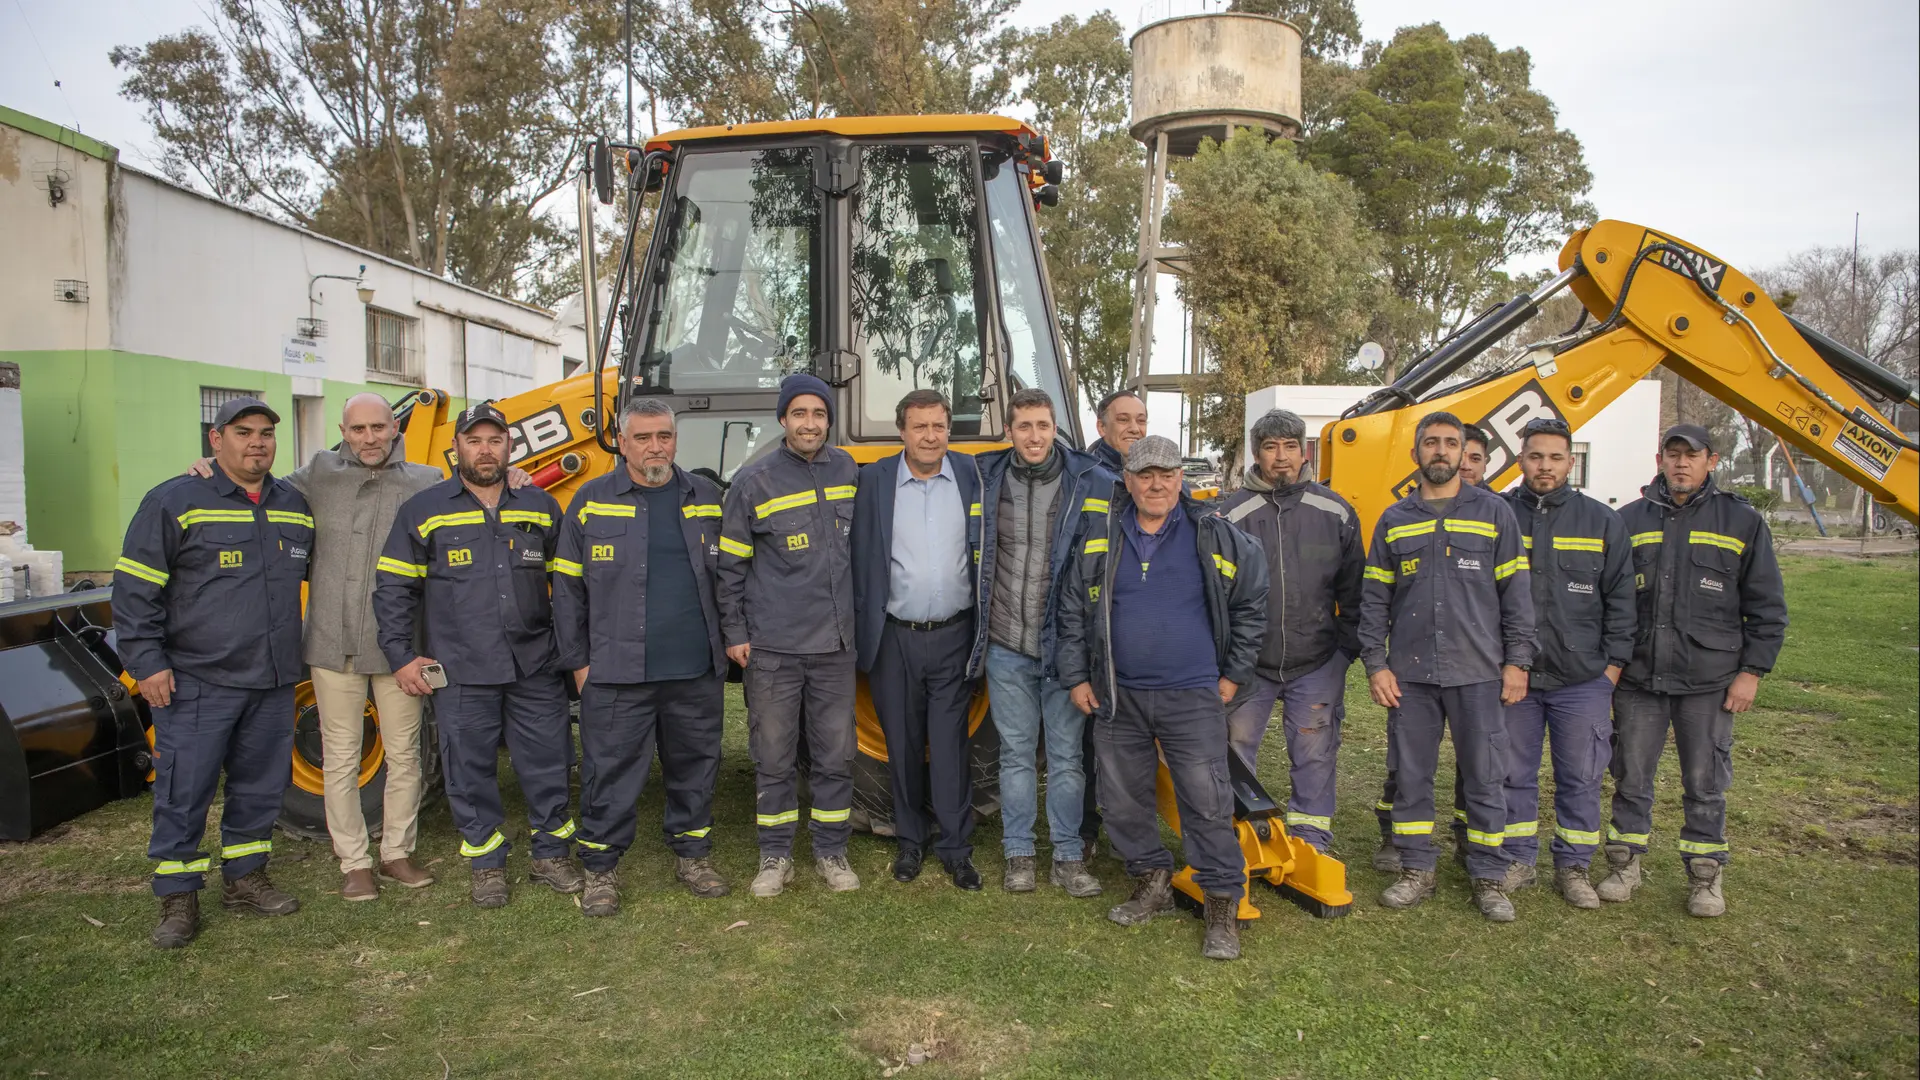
[(1161, 637)]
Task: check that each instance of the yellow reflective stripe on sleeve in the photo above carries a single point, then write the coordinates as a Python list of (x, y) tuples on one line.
[(1418, 528), (1627, 837), (534, 517), (290, 517), (474, 851), (251, 847), (1640, 539), (1485, 839), (567, 567), (585, 843), (1383, 806), (561, 833), (142, 571), (1468, 525), (438, 521), (1094, 506), (696, 833), (1527, 542), (195, 517), (1226, 568), (734, 547), (973, 509), (600, 509), (842, 491), (1380, 574), (1731, 543), (767, 821), (1522, 828), (1315, 820), (1575, 836), (1459, 815), (700, 510), (830, 816), (197, 866), (1694, 847), (1509, 568), (1098, 545), (404, 569), (1412, 828), (1580, 543), (786, 502)]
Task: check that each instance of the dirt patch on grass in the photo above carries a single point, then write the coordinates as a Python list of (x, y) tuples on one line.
[(1885, 831), (18, 880), (951, 1036)]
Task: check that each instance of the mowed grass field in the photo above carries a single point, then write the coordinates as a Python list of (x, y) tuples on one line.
[(1811, 974)]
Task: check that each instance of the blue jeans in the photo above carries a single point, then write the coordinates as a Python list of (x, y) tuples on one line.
[(1024, 701)]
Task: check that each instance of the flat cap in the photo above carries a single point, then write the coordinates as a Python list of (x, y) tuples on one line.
[(1153, 452)]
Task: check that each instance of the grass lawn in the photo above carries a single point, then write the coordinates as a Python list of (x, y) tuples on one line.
[(1812, 972)]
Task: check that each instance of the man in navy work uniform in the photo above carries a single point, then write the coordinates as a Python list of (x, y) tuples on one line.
[(464, 573), (1121, 420), (206, 614), (637, 623), (1160, 626), (1582, 583), (786, 615), (1446, 580), (1314, 554), (1712, 615), (915, 529), (1037, 498)]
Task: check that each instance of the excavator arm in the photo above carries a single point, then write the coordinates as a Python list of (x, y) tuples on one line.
[(1655, 300)]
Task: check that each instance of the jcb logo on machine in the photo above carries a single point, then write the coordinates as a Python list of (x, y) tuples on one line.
[(1872, 453), (1708, 271), (1503, 424), (460, 557), (230, 560), (1409, 566), (602, 553), (797, 542), (531, 437)]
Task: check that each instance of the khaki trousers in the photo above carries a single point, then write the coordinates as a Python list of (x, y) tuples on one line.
[(342, 700)]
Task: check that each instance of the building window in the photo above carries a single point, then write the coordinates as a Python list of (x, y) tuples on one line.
[(393, 349), (1578, 477), (211, 398), (568, 366)]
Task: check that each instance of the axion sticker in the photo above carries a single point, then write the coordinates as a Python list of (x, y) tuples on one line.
[(1503, 424), (1872, 453), (1703, 268)]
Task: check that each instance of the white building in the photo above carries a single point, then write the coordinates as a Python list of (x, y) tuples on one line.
[(1614, 451)]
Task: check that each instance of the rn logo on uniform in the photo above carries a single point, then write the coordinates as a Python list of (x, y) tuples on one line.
[(602, 553), (230, 559), (1409, 566), (797, 542), (460, 557)]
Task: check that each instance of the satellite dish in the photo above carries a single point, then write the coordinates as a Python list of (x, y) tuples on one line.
[(1371, 356)]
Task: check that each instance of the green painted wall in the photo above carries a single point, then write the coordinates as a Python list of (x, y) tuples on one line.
[(103, 427)]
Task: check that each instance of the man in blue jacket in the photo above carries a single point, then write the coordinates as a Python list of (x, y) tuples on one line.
[(1037, 498), (914, 542)]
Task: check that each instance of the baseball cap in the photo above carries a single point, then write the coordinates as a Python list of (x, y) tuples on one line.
[(1153, 452), (1692, 434), (476, 414), (235, 408)]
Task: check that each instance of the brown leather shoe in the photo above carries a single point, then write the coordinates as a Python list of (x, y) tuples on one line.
[(402, 871), (360, 886), (179, 920)]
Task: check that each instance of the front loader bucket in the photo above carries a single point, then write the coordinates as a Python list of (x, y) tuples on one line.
[(71, 737), (1315, 881)]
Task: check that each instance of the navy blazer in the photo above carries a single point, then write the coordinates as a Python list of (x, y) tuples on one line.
[(873, 543)]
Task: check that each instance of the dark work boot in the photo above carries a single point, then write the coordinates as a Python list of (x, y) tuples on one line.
[(489, 886), (179, 920), (1020, 874), (255, 894), (1223, 928), (1411, 890), (1152, 895), (1521, 875), (1387, 858), (1490, 896), (562, 875), (1073, 877), (700, 878), (601, 896)]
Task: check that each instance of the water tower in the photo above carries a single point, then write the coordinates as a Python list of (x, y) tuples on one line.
[(1197, 76)]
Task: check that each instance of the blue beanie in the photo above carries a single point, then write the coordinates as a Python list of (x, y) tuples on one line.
[(802, 383)]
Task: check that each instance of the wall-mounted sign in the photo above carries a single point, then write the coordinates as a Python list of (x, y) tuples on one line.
[(303, 356)]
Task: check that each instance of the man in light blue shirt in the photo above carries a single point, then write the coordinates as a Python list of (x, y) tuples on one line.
[(915, 535)]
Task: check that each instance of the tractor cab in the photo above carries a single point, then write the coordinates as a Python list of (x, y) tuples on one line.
[(882, 254)]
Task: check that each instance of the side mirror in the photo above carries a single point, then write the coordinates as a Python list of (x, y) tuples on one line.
[(602, 164), (1048, 196), (1056, 171)]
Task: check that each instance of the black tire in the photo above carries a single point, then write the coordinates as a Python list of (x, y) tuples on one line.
[(303, 813), (873, 788)]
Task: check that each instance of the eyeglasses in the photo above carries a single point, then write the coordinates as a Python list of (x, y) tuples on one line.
[(1546, 425)]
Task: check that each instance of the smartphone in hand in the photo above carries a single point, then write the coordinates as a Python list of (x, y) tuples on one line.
[(435, 675)]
